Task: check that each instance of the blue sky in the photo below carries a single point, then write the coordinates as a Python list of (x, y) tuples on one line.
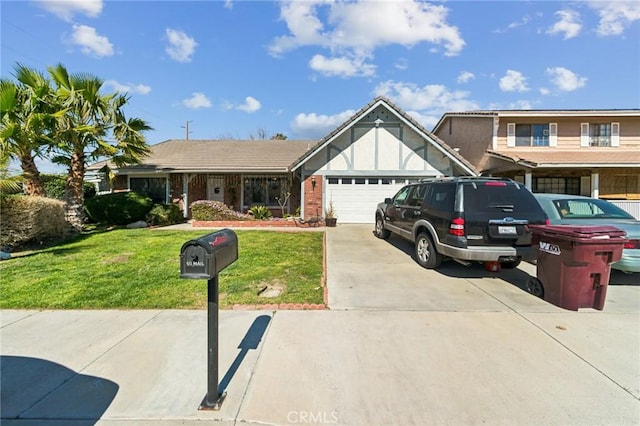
[(237, 69)]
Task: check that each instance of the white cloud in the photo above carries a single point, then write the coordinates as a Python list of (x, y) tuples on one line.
[(354, 30), (250, 105), (568, 24), (425, 120), (432, 99), (520, 104), (401, 64), (181, 47), (196, 101), (524, 21), (565, 80), (615, 16), (66, 9), (513, 25), (90, 42), (513, 81), (317, 125), (544, 91), (465, 77), (343, 67), (140, 89)]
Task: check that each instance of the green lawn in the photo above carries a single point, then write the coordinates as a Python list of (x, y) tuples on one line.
[(140, 269)]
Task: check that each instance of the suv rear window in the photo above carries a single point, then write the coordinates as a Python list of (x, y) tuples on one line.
[(493, 196)]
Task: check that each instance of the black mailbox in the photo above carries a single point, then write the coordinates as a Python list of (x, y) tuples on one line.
[(206, 256)]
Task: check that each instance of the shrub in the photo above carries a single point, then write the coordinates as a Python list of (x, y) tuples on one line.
[(260, 212), (119, 208), (165, 214), (54, 186), (206, 210), (26, 219)]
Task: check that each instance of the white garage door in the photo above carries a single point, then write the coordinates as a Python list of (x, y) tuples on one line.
[(355, 198)]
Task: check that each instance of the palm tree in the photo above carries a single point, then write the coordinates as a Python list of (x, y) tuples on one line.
[(93, 127), (27, 116)]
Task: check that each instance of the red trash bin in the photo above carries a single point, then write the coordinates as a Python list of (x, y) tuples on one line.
[(574, 263)]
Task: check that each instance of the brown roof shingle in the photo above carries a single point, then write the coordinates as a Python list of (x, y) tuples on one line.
[(211, 156), (580, 158)]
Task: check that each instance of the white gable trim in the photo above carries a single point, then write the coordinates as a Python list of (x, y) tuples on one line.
[(402, 119)]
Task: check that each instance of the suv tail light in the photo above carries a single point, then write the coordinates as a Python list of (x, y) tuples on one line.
[(457, 227), (632, 244)]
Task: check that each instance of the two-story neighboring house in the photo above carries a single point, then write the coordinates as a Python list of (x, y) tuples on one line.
[(586, 152)]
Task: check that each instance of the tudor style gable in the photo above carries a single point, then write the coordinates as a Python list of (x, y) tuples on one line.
[(371, 156)]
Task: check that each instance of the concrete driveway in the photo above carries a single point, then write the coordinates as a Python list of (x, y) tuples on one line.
[(367, 273)]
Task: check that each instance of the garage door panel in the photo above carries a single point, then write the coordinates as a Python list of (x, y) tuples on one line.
[(355, 199)]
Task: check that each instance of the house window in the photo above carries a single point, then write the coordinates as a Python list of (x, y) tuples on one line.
[(156, 188), (532, 135), (265, 190), (557, 185), (600, 134)]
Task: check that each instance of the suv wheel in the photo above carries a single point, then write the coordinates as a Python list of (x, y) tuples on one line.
[(380, 232), (426, 253)]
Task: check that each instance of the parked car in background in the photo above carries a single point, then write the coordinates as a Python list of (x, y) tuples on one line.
[(468, 219), (565, 209)]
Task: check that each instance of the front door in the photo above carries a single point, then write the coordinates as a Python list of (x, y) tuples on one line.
[(215, 188)]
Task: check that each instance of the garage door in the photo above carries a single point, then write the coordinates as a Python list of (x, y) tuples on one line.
[(355, 198)]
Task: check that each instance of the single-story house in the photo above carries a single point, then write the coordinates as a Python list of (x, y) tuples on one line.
[(367, 158)]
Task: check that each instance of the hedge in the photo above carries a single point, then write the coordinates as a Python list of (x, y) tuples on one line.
[(26, 219), (206, 210), (119, 208)]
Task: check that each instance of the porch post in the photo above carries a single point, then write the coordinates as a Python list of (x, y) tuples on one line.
[(528, 180), (595, 185), (302, 179), (185, 195)]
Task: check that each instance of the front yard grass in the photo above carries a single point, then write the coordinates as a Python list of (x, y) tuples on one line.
[(140, 269)]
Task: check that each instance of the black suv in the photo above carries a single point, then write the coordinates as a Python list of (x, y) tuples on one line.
[(463, 218)]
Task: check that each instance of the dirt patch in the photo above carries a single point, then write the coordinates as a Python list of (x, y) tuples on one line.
[(121, 258), (273, 289)]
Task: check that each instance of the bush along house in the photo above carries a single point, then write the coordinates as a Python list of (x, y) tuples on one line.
[(367, 158)]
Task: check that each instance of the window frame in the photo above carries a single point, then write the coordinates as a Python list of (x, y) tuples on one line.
[(264, 184), (156, 199)]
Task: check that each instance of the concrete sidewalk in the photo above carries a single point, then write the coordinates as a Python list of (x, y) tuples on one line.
[(472, 348)]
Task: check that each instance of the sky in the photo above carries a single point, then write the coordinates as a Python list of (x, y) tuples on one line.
[(246, 69)]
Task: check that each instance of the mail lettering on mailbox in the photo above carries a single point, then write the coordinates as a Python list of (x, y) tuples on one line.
[(206, 256)]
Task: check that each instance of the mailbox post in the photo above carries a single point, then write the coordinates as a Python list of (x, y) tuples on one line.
[(204, 258)]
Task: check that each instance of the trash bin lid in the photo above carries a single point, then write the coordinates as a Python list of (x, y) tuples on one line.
[(579, 232)]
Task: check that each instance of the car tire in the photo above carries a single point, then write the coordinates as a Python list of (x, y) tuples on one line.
[(535, 287), (426, 254), (510, 265), (379, 231)]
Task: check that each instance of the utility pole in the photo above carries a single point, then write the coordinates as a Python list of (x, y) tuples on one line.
[(186, 126)]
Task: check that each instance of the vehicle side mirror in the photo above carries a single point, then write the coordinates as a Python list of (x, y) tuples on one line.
[(387, 200)]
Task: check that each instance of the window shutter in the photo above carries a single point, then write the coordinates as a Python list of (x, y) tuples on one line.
[(553, 134), (511, 134), (584, 134), (615, 134)]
